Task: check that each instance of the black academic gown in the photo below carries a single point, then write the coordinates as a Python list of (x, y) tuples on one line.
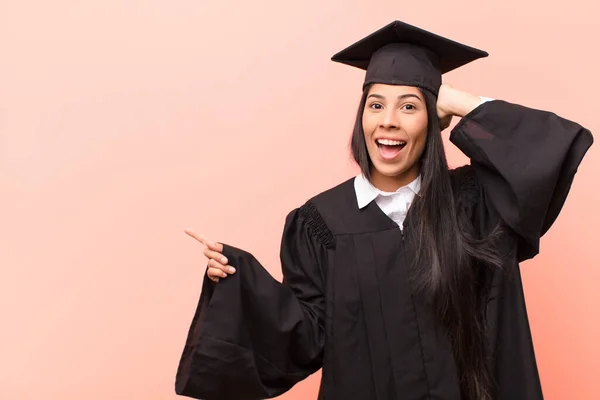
[(346, 303)]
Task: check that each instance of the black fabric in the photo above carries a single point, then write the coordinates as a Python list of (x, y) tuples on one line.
[(512, 148), (346, 304), (402, 54)]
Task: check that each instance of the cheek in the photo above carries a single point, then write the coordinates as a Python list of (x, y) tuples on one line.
[(368, 124), (420, 146), (419, 139), (417, 127)]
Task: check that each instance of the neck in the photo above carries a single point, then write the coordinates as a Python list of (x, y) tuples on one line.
[(392, 183)]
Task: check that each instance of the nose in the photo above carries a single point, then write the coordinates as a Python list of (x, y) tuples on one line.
[(389, 119)]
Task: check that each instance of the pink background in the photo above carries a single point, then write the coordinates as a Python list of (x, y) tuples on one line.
[(124, 121)]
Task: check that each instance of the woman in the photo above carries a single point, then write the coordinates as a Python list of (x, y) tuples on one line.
[(404, 282)]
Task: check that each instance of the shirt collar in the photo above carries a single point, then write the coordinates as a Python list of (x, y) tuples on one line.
[(366, 192)]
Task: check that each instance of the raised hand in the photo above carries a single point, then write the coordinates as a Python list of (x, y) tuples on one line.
[(218, 266)]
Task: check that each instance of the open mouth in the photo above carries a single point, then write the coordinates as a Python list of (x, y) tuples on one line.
[(389, 149)]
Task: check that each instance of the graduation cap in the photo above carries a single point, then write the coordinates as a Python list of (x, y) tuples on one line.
[(402, 54)]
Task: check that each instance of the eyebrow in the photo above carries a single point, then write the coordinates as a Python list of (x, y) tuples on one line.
[(401, 97)]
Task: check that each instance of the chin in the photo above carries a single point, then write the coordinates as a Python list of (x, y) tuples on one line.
[(391, 171)]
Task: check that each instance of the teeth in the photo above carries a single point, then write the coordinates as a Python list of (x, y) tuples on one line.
[(389, 142)]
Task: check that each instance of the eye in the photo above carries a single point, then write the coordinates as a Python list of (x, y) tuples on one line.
[(375, 106), (409, 107)]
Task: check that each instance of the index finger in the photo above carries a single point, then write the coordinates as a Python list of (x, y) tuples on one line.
[(193, 234), (211, 245)]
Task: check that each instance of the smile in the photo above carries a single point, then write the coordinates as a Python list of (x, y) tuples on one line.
[(390, 149)]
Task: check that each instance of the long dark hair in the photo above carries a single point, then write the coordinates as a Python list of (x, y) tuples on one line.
[(450, 262)]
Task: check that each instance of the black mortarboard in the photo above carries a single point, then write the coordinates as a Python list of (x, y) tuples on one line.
[(402, 54)]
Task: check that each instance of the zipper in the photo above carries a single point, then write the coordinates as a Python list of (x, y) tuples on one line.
[(404, 250)]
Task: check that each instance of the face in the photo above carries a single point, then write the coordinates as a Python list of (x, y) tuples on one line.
[(395, 126)]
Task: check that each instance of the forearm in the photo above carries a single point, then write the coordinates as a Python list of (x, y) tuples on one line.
[(459, 103)]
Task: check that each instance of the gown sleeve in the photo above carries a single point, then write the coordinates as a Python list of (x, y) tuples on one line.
[(251, 336), (525, 161)]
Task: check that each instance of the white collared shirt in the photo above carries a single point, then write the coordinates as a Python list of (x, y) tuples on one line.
[(394, 204)]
